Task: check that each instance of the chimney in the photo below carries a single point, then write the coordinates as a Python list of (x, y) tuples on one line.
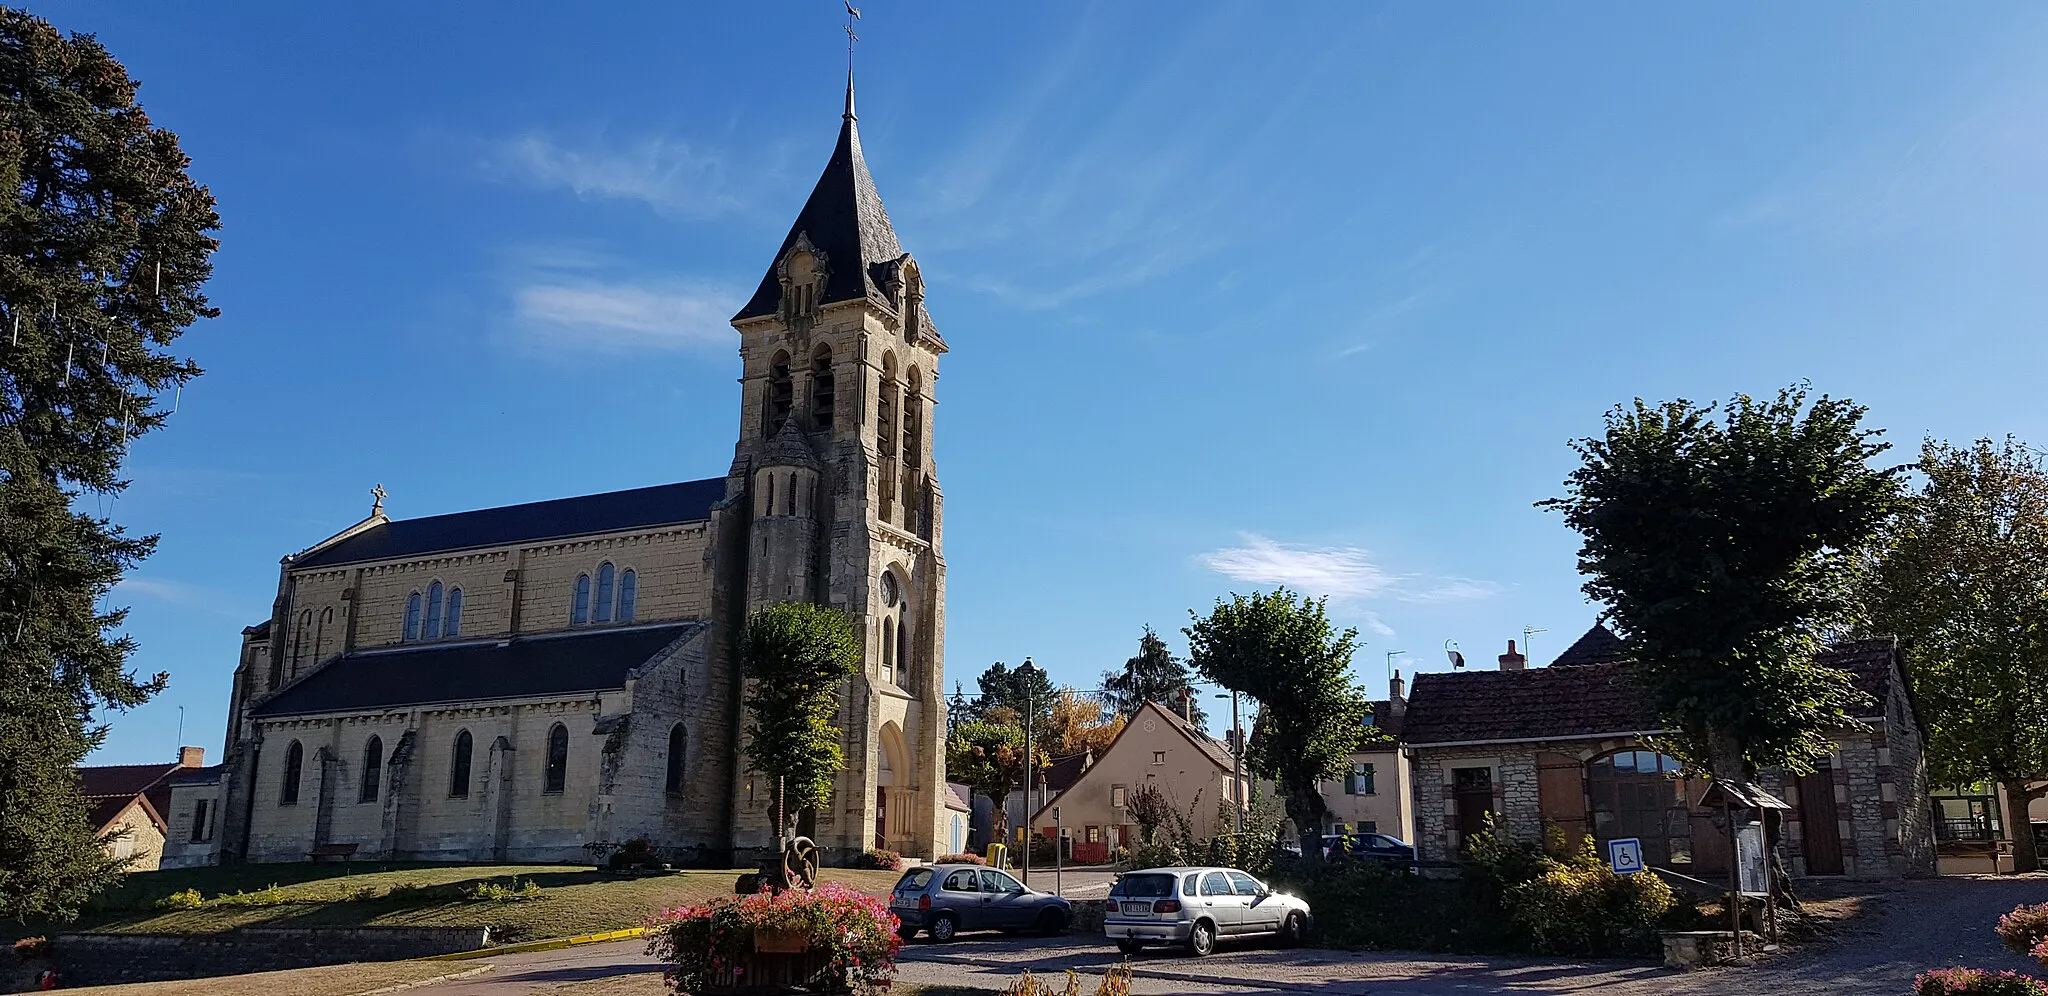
[(1513, 661), (191, 757), (1397, 696), (1187, 705)]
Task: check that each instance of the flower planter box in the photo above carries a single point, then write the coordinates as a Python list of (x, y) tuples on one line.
[(780, 942)]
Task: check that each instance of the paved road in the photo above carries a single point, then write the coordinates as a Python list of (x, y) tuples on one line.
[(1911, 927)]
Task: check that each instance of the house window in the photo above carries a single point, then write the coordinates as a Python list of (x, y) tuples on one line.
[(629, 594), (602, 610), (452, 625), (412, 617), (458, 767), (1116, 796), (199, 827), (558, 760), (1094, 835), (432, 630), (1158, 757), (579, 612), (294, 759), (373, 770), (1360, 781), (675, 760), (1637, 793)]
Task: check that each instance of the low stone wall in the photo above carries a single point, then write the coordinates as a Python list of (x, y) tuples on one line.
[(107, 959)]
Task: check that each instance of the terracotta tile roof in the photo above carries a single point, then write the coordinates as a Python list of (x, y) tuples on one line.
[(1538, 704)]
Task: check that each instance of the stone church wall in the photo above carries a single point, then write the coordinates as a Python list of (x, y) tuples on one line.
[(380, 604), (689, 825), (668, 566)]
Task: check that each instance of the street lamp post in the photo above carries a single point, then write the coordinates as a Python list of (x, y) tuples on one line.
[(1027, 672)]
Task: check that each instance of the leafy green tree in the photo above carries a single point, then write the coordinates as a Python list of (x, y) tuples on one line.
[(794, 656), (104, 249), (1281, 650), (1723, 551), (989, 758), (1154, 675), (1006, 691), (1962, 578)]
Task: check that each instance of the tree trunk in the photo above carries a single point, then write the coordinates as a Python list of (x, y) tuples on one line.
[(1306, 809), (2025, 856)]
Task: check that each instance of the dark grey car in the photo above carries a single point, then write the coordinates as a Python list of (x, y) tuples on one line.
[(943, 900)]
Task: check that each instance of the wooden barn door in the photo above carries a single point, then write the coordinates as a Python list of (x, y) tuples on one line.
[(1561, 795), (1820, 829)]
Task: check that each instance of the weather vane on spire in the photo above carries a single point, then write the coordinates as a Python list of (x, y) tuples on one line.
[(852, 15)]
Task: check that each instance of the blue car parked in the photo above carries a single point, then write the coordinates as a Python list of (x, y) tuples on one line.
[(943, 900)]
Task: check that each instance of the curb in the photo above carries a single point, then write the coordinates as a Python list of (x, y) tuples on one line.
[(547, 945), (450, 977)]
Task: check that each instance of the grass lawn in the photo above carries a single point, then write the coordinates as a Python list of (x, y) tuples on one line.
[(572, 900)]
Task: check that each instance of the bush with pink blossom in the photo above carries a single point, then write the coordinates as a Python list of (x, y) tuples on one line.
[(2025, 931), (1977, 982), (852, 933)]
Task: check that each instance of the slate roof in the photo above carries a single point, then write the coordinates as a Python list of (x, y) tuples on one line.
[(845, 220), (1540, 704), (1598, 646), (1063, 772), (1383, 717), (199, 776), (661, 505), (1869, 664), (584, 661)]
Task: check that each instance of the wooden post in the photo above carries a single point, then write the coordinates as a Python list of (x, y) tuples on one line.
[(1734, 877)]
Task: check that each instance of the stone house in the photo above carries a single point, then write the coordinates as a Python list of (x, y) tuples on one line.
[(192, 824), (1375, 795), (1192, 770), (132, 802), (1573, 746), (514, 683)]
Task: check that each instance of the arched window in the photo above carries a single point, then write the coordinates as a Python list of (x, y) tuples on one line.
[(294, 760), (821, 388), (320, 631), (558, 759), (1638, 793), (676, 748), (780, 392), (580, 612), (299, 639), (913, 416), (452, 626), (629, 594), (888, 649), (885, 436), (791, 509), (458, 767), (602, 611), (373, 769), (903, 655), (432, 630), (412, 617)]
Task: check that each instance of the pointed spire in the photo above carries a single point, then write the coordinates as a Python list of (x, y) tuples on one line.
[(849, 115)]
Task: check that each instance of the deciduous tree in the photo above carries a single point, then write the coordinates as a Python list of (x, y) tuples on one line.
[(989, 758), (105, 246), (1154, 675), (1080, 724), (1962, 577), (1723, 551), (1281, 650), (794, 656)]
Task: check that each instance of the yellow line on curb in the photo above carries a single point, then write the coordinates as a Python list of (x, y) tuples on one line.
[(548, 945)]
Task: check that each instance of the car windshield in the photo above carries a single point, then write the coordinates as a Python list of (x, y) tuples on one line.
[(1145, 886), (914, 880)]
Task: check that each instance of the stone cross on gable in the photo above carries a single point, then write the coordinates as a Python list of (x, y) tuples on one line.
[(377, 499)]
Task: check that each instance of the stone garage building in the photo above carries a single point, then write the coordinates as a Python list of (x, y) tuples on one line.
[(1572, 746)]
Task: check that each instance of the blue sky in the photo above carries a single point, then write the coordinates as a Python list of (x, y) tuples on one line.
[(1237, 293)]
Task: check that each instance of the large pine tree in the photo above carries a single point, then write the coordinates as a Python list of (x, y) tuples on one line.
[(1154, 675), (103, 253)]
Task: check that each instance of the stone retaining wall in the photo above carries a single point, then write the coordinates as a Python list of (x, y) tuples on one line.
[(107, 959)]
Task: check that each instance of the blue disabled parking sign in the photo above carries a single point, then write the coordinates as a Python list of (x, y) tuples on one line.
[(1626, 855)]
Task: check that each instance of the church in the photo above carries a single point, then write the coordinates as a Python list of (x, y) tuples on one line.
[(518, 683)]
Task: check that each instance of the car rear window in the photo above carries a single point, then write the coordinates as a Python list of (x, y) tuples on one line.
[(914, 880), (1145, 886)]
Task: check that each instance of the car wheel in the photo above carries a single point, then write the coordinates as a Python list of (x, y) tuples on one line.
[(906, 932), (1292, 931), (1129, 946), (1202, 939), (1052, 922), (942, 928)]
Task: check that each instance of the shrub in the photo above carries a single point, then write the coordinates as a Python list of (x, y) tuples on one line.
[(1977, 982), (855, 929), (1574, 909), (2025, 929), (636, 853), (964, 858), (876, 858), (272, 896), (407, 892), (184, 899), (500, 892)]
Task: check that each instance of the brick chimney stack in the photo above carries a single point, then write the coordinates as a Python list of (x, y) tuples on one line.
[(191, 757), (1397, 696), (1513, 661)]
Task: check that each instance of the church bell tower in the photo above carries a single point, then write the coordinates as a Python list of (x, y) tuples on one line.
[(834, 490)]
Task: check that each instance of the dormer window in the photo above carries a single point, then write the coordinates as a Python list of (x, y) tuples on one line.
[(803, 274)]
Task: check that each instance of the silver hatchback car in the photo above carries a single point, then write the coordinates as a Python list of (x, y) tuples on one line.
[(1196, 906)]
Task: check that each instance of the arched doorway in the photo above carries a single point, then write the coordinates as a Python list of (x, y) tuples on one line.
[(893, 785)]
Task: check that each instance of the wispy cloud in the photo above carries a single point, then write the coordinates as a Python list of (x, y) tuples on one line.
[(1344, 573), (184, 595), (574, 301), (668, 174)]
